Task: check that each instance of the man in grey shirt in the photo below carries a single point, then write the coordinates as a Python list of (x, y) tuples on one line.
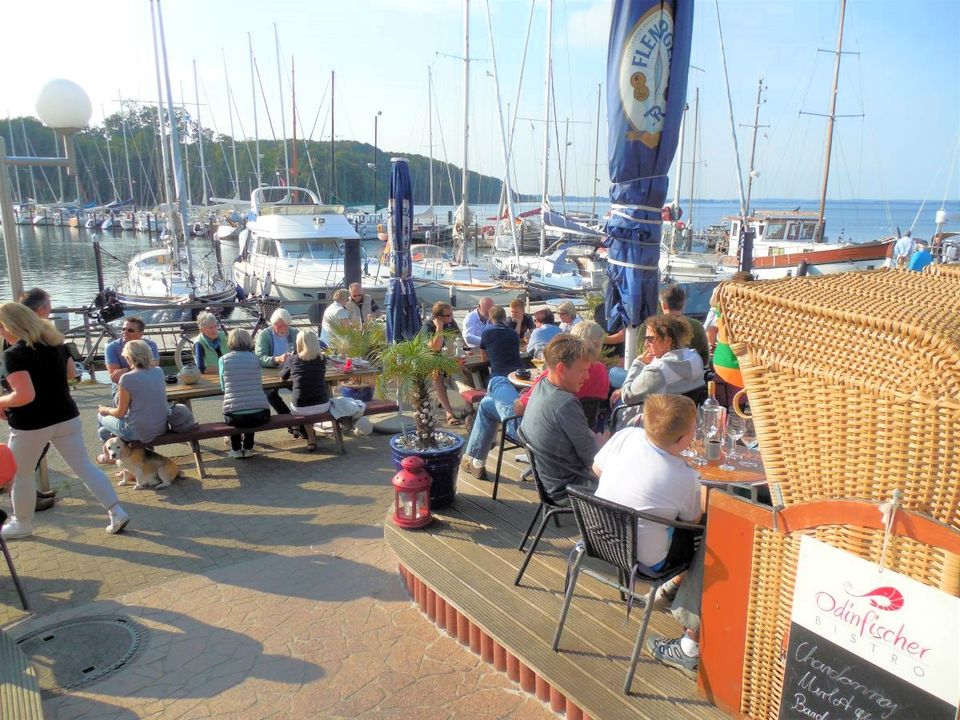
[(554, 426)]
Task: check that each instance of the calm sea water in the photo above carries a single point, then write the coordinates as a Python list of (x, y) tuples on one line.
[(61, 259)]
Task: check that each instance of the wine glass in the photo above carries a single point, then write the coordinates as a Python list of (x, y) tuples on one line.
[(750, 441), (735, 431), (729, 454)]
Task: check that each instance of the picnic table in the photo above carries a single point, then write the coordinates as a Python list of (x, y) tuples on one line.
[(209, 385)]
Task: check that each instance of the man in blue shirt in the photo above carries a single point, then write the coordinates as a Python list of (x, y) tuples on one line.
[(477, 319), (500, 344), (922, 257), (132, 329)]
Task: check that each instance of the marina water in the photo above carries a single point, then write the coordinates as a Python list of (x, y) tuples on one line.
[(61, 259)]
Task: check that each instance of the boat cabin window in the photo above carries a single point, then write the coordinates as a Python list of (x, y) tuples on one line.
[(793, 231), (808, 230), (310, 248), (775, 230), (735, 229), (266, 247)]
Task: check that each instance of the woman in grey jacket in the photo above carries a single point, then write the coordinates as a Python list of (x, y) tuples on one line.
[(244, 401), (667, 366)]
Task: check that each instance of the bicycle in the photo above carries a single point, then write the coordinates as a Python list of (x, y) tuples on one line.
[(183, 352)]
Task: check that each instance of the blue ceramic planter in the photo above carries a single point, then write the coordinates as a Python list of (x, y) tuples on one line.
[(442, 465)]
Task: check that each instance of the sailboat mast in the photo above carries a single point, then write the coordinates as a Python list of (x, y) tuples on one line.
[(13, 149), (186, 148), (430, 127), (753, 147), (464, 178), (167, 188), (293, 91), (126, 149), (693, 155), (283, 118), (818, 235), (596, 155), (504, 142), (175, 149), (676, 195), (548, 85), (206, 190), (333, 139), (253, 92), (233, 137)]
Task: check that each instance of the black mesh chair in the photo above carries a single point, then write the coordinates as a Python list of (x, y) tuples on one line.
[(698, 395), (507, 442), (13, 572), (609, 533), (548, 508)]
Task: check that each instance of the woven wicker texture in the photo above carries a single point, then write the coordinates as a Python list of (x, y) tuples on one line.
[(947, 270), (774, 569), (854, 383)]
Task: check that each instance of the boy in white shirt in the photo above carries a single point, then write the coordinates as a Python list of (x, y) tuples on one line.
[(642, 468)]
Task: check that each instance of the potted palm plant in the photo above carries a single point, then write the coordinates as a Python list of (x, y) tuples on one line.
[(411, 365), (364, 341)]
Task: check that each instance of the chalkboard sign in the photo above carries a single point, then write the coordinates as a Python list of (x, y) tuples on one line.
[(867, 644), (824, 681)]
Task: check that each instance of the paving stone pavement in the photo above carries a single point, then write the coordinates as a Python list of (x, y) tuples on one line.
[(266, 591)]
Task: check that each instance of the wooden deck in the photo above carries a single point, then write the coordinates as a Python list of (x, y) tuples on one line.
[(461, 569)]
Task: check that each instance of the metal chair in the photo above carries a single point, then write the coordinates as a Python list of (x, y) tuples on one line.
[(506, 443), (609, 533), (548, 508), (13, 572), (698, 395)]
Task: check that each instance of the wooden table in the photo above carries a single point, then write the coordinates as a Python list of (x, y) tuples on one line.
[(711, 476), (209, 385)]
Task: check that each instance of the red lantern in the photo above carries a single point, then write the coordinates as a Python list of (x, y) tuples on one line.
[(411, 487), (8, 467)]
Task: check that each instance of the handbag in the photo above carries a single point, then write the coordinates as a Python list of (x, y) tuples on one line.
[(181, 418)]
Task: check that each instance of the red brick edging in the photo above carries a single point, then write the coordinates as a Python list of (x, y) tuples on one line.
[(446, 617)]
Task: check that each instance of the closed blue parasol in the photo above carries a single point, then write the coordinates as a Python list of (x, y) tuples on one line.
[(403, 316), (647, 63)]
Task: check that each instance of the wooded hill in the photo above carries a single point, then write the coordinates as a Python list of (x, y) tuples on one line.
[(102, 161)]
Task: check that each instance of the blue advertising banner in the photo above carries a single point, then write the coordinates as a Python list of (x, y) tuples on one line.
[(647, 63)]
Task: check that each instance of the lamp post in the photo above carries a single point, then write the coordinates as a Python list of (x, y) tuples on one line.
[(65, 107)]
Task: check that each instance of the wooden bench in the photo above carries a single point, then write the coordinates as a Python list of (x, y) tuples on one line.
[(19, 686), (206, 431)]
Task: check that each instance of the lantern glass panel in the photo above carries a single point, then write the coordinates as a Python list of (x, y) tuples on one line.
[(423, 498), (405, 505)]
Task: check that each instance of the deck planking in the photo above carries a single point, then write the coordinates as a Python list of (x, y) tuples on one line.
[(469, 557)]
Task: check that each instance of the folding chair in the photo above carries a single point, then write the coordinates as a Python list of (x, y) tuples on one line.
[(13, 572), (609, 533), (548, 508), (506, 443)]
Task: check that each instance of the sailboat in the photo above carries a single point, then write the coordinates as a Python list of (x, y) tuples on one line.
[(436, 274), (168, 275)]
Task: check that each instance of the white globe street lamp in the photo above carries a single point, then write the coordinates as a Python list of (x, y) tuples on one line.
[(65, 107)]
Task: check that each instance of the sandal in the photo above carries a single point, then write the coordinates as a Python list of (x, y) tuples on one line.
[(311, 447), (453, 420)]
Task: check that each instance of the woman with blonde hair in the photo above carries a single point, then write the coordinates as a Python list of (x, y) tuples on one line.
[(142, 411), (39, 408), (307, 370), (569, 319), (597, 384)]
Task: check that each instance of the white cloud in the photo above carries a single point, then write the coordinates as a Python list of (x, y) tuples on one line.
[(590, 27)]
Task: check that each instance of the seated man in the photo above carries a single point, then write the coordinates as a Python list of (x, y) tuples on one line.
[(641, 468), (500, 345), (476, 320), (519, 321), (132, 329), (554, 425), (543, 331), (273, 346)]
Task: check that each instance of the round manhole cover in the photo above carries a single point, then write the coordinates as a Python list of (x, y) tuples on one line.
[(76, 652)]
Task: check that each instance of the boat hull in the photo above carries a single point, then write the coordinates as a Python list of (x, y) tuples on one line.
[(865, 256), (463, 295)]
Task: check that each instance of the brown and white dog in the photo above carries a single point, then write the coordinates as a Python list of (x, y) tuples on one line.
[(150, 469)]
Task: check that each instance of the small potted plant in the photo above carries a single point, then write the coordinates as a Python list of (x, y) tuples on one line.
[(411, 365), (363, 341)]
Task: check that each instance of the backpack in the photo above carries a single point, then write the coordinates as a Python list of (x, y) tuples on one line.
[(181, 418)]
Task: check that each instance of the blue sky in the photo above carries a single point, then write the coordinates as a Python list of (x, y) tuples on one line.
[(905, 79)]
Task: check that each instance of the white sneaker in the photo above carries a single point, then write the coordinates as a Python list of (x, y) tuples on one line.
[(14, 529), (118, 520), (235, 454), (248, 453)]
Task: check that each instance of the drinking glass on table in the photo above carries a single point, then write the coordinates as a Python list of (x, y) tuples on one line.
[(735, 430), (750, 441), (693, 453), (729, 453)]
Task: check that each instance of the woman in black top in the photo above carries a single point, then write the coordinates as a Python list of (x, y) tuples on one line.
[(39, 408), (308, 371)]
